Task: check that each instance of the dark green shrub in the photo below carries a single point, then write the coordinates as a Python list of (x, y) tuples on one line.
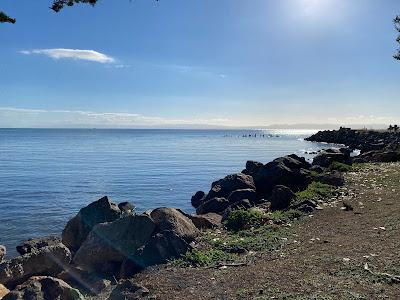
[(315, 190), (340, 167), (244, 218)]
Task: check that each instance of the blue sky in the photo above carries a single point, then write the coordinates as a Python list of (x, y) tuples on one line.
[(199, 62)]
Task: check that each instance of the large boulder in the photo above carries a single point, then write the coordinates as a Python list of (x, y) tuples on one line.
[(44, 288), (173, 220), (37, 243), (252, 167), (78, 228), (243, 194), (334, 178), (281, 197), (47, 261), (83, 280), (161, 247), (108, 244), (206, 221), (215, 205), (378, 156), (197, 199), (3, 252), (327, 157), (225, 186), (291, 171), (128, 290)]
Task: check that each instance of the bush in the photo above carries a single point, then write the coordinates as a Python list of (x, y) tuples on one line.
[(284, 216), (316, 190), (241, 218), (338, 166), (198, 258)]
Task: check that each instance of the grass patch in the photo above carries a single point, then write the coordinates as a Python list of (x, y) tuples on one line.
[(203, 258), (240, 219), (316, 190), (284, 216), (341, 167)]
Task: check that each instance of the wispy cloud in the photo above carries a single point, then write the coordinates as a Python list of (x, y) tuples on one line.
[(25, 117), (60, 53)]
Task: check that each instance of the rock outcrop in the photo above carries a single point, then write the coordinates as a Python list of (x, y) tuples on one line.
[(206, 221), (78, 228), (215, 205), (334, 178), (243, 194), (47, 261), (281, 197), (378, 156), (291, 171), (128, 290), (170, 219), (108, 244), (225, 186), (364, 140), (35, 244), (198, 199), (44, 288), (326, 157)]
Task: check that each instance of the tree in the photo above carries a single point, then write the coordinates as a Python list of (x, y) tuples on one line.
[(56, 6), (395, 128), (397, 26), (390, 128), (6, 19)]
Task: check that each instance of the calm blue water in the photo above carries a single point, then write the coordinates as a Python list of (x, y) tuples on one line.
[(47, 175)]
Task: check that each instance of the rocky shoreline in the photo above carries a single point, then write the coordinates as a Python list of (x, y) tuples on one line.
[(105, 244)]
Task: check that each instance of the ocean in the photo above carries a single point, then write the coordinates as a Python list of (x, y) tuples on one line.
[(47, 175)]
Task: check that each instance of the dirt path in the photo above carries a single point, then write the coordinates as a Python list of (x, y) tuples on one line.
[(324, 257)]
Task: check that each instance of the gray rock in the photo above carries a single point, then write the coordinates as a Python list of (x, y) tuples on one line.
[(108, 244), (37, 243), (3, 252), (215, 205), (281, 197), (126, 208), (128, 290), (161, 247), (243, 194), (291, 171), (44, 288), (77, 229), (378, 156), (173, 220), (206, 221), (83, 280), (327, 157), (47, 261), (197, 199), (334, 178), (225, 186), (252, 167), (317, 168)]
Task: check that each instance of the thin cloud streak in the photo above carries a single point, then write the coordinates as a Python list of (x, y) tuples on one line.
[(22, 117), (76, 54)]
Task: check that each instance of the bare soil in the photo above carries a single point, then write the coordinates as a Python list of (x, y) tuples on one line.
[(323, 257)]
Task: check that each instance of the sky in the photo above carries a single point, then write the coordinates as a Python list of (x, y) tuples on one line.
[(199, 63)]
